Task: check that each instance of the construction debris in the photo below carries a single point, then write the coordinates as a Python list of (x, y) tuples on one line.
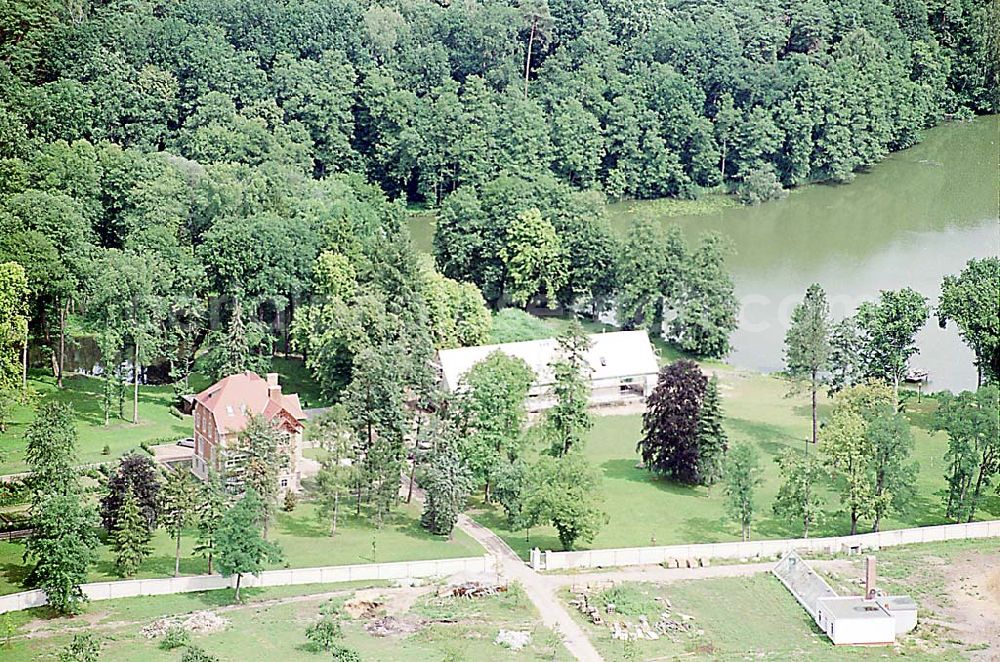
[(513, 639), (199, 622), (472, 590), (669, 623), (390, 626)]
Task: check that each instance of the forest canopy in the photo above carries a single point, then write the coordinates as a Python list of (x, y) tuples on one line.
[(156, 156)]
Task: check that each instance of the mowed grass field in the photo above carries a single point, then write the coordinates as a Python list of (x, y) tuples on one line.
[(304, 539), (272, 624), (645, 510)]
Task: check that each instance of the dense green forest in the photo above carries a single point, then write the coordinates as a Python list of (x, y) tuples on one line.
[(158, 156)]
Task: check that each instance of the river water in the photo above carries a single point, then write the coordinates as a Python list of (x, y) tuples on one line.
[(920, 214)]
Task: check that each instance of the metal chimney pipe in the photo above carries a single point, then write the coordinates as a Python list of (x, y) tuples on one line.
[(870, 577)]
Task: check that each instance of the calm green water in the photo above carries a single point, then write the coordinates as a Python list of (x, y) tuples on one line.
[(917, 216)]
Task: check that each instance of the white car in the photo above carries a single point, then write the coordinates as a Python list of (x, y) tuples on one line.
[(187, 442)]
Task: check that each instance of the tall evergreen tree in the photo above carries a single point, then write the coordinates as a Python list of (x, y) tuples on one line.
[(807, 343), (568, 420), (180, 497), (447, 482), (131, 536), (711, 437), (209, 512)]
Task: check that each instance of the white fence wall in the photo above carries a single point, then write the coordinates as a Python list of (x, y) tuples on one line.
[(326, 575), (602, 558)]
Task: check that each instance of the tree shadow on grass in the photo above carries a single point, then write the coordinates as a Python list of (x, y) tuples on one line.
[(770, 438), (16, 573), (626, 470)]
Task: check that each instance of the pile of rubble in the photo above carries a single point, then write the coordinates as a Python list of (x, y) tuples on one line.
[(669, 623), (513, 639), (472, 590), (390, 626), (199, 622)]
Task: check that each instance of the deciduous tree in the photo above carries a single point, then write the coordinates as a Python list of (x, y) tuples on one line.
[(971, 300), (63, 546), (972, 422), (888, 327), (741, 477), (669, 445), (135, 472), (241, 549), (178, 511), (798, 498)]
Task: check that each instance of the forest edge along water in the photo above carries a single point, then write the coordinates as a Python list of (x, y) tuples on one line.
[(920, 214)]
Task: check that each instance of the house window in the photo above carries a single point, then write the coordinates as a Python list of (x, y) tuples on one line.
[(284, 482)]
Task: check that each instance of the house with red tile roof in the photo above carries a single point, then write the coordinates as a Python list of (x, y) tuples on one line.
[(222, 411)]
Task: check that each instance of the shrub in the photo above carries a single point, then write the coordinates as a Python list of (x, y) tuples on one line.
[(197, 654), (760, 185), (324, 634), (106, 450), (345, 654), (291, 500), (83, 648), (175, 637)]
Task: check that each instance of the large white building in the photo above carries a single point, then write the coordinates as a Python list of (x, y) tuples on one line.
[(623, 366)]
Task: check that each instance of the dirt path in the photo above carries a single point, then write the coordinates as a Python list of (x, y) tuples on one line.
[(539, 588)]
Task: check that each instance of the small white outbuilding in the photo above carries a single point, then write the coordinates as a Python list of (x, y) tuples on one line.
[(623, 366)]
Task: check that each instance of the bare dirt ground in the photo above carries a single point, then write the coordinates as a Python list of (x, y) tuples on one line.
[(971, 607)]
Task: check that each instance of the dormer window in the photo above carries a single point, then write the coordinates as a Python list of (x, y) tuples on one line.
[(229, 410)]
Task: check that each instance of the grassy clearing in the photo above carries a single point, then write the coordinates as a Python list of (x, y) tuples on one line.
[(262, 629), (740, 618), (645, 510), (304, 539)]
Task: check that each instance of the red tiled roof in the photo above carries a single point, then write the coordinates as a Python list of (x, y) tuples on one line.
[(237, 397)]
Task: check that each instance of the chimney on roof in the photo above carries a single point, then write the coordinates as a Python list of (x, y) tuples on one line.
[(273, 388), (870, 577)]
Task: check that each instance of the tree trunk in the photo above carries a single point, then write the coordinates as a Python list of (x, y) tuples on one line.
[(24, 366), (815, 435), (62, 342), (975, 492), (209, 562), (135, 385), (413, 471), (239, 579), (722, 168), (527, 59), (177, 556), (336, 508), (854, 522), (805, 527)]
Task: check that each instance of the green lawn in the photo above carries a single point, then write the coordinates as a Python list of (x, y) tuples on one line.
[(304, 539), (156, 422), (454, 629), (643, 509)]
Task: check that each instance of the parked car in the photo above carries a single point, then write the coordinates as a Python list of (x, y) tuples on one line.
[(187, 442)]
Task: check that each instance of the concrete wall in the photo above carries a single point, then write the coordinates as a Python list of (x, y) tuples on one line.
[(325, 575), (602, 558)]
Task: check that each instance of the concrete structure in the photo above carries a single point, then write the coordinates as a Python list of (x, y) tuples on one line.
[(623, 366), (870, 619), (763, 549), (129, 588), (222, 411)]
